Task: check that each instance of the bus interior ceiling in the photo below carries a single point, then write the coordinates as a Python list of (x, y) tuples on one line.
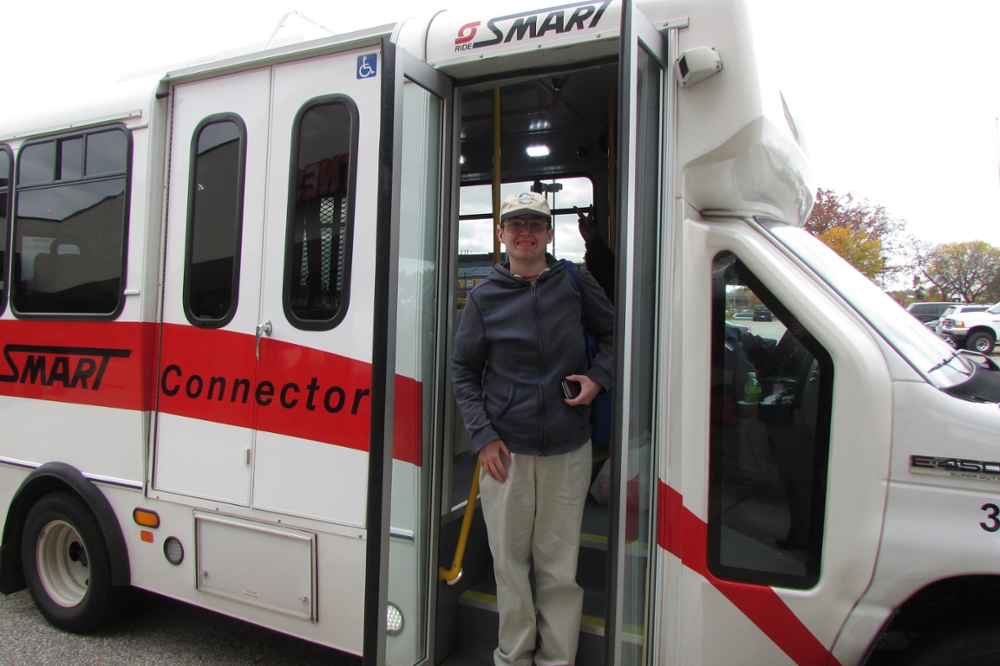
[(568, 113)]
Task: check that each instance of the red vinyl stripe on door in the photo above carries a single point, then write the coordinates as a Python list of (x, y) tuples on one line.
[(685, 535)]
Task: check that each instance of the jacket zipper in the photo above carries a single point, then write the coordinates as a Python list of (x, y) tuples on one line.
[(541, 363)]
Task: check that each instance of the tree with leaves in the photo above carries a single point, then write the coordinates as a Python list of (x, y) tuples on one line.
[(863, 233), (968, 270)]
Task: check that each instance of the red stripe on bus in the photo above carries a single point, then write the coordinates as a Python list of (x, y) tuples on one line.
[(205, 374), (79, 362), (684, 535), (298, 391)]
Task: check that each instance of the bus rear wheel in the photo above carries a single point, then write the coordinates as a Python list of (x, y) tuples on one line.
[(66, 565)]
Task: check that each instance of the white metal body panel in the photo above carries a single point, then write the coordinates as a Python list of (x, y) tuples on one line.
[(339, 570), (96, 440), (258, 564), (933, 527), (203, 459), (310, 479), (861, 427)]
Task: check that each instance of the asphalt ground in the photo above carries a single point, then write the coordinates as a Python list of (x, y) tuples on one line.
[(157, 631)]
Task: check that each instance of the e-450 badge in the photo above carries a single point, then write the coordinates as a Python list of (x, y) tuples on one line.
[(963, 468)]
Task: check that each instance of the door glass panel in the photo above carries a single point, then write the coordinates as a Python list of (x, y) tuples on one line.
[(215, 222), (319, 231), (638, 452), (5, 169), (769, 436), (416, 373)]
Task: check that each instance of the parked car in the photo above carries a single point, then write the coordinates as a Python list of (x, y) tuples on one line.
[(977, 331), (927, 312), (937, 325), (761, 313), (743, 314)]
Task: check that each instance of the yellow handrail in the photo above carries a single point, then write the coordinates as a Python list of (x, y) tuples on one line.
[(453, 575)]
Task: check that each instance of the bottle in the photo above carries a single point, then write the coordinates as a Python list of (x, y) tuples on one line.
[(751, 390)]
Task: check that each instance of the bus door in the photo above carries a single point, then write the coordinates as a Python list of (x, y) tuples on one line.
[(211, 299), (644, 266), (265, 370), (409, 371)]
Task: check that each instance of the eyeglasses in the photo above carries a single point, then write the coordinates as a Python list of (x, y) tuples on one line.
[(532, 224)]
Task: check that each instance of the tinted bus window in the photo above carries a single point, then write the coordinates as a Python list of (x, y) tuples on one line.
[(771, 389), (215, 221), (70, 225), (6, 166), (321, 212)]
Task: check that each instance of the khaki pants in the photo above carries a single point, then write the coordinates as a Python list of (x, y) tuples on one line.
[(535, 516)]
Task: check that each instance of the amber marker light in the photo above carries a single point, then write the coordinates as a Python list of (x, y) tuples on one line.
[(146, 518)]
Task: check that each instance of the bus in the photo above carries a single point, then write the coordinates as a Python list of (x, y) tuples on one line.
[(229, 295)]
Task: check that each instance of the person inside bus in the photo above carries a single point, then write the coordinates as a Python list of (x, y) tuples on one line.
[(599, 259), (522, 382), (791, 429)]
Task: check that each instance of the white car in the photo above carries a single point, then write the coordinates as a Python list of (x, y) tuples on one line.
[(977, 331), (937, 325)]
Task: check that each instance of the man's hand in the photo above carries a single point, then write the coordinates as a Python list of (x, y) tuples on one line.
[(489, 458), (588, 390), (588, 224)]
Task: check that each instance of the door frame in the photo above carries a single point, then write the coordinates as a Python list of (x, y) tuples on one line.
[(398, 66), (636, 32)]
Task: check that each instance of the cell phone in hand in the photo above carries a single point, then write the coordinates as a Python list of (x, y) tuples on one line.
[(570, 388)]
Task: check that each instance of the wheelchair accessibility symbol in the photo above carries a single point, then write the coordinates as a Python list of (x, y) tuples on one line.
[(367, 65)]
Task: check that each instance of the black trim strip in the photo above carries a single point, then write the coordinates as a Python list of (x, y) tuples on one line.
[(352, 177), (383, 362), (8, 213), (195, 320), (625, 70)]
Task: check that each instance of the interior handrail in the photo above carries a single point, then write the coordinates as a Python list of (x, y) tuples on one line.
[(453, 575)]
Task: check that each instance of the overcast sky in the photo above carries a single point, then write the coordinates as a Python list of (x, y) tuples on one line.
[(898, 100)]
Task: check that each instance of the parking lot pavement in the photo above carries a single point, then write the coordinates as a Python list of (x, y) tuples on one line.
[(157, 631)]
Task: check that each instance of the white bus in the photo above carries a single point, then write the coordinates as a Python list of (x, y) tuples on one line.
[(228, 301)]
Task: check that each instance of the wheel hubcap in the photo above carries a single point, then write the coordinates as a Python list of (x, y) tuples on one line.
[(982, 345), (63, 564)]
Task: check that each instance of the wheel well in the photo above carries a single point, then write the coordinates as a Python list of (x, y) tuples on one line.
[(981, 329), (48, 478), (948, 601)]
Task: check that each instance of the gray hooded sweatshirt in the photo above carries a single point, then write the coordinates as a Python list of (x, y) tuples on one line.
[(518, 339)]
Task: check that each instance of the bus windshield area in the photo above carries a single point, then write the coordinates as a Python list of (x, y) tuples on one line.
[(929, 355)]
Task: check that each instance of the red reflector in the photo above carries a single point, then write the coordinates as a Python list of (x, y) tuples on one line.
[(146, 536)]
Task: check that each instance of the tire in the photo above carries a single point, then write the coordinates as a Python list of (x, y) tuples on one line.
[(974, 646), (980, 342), (67, 567)]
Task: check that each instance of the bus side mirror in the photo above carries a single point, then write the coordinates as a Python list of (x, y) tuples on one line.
[(696, 65)]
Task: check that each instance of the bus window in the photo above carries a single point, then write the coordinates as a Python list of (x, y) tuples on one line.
[(215, 221), (6, 165), (321, 213), (70, 224), (475, 231), (771, 394)]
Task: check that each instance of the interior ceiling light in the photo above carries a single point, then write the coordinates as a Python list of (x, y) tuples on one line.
[(537, 151), (538, 125)]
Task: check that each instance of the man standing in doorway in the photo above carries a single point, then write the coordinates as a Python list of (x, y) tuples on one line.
[(524, 385)]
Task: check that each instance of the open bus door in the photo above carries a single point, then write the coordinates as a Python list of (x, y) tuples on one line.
[(409, 370), (643, 262)]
